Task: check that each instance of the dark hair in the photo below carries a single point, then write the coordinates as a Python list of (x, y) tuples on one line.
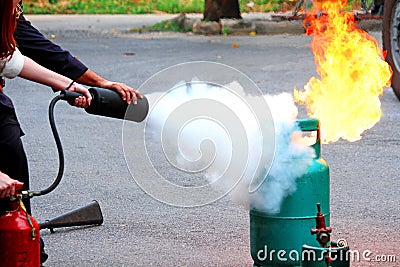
[(8, 23)]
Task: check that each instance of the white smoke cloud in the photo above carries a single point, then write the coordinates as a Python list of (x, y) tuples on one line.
[(207, 144), (292, 156)]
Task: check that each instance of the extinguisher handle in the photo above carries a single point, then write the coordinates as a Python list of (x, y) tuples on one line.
[(23, 193), (18, 187), (70, 96)]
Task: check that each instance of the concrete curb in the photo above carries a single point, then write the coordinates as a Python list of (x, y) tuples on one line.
[(274, 24)]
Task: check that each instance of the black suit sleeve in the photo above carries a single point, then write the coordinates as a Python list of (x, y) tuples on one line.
[(33, 44)]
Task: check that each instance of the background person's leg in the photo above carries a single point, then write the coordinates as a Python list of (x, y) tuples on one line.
[(13, 160)]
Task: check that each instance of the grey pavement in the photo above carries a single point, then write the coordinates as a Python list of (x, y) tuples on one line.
[(137, 229)]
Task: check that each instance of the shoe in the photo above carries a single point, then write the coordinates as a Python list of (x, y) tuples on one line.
[(43, 254)]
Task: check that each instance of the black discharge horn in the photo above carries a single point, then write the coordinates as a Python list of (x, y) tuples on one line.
[(109, 103)]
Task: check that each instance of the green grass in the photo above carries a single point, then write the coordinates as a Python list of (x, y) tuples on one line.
[(164, 26), (111, 6), (148, 6)]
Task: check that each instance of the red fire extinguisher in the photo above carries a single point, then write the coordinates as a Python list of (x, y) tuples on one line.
[(19, 237)]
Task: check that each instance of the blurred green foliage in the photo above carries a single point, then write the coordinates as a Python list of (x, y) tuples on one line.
[(148, 6)]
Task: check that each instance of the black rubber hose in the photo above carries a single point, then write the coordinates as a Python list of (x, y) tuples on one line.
[(57, 181)]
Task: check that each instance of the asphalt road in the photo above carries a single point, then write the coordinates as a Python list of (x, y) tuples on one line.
[(140, 231)]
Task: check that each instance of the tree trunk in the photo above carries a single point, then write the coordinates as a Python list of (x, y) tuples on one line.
[(214, 10)]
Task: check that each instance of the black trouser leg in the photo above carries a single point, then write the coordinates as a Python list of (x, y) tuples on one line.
[(13, 160)]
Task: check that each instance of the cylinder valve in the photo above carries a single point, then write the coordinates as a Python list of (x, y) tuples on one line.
[(323, 233)]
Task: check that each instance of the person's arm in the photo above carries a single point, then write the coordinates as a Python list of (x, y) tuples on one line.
[(126, 92), (7, 185), (36, 46), (37, 73), (24, 67)]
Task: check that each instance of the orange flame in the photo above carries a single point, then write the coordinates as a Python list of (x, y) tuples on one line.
[(352, 70)]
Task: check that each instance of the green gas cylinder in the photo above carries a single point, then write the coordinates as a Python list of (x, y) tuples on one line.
[(277, 240)]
